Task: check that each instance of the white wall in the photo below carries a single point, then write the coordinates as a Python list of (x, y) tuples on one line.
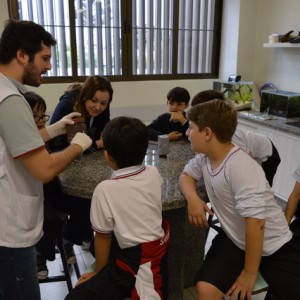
[(246, 26), (280, 66), (229, 39)]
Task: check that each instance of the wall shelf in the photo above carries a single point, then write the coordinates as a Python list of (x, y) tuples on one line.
[(281, 45)]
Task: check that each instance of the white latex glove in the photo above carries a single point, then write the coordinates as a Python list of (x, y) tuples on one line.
[(59, 127), (83, 140)]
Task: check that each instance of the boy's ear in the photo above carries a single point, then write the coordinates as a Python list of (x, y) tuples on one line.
[(110, 160), (208, 132), (107, 156)]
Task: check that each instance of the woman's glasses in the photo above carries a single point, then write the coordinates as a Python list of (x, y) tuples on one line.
[(43, 118)]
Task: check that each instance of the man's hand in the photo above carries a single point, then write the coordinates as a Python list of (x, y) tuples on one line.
[(59, 127), (243, 285), (83, 140)]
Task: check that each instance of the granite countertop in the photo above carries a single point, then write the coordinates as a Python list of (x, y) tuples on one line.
[(273, 122), (82, 177)]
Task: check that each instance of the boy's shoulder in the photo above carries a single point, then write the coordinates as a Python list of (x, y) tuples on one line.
[(147, 172), (163, 116)]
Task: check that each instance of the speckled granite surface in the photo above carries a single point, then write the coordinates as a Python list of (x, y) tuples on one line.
[(274, 122), (82, 177)]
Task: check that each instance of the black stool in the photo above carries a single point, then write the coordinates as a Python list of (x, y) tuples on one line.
[(67, 267)]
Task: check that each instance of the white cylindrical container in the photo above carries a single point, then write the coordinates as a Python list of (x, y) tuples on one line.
[(274, 38), (163, 145)]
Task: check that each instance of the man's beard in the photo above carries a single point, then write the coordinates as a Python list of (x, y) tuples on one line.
[(30, 75)]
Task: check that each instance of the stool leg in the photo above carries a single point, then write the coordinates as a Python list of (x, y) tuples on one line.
[(77, 270), (64, 263)]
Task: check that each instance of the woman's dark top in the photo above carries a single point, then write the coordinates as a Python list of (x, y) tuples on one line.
[(65, 107), (163, 125)]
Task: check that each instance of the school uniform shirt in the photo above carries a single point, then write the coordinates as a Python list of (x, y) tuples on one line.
[(21, 195), (296, 176), (238, 189), (255, 144), (129, 204)]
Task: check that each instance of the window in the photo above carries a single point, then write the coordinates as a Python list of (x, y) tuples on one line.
[(129, 39)]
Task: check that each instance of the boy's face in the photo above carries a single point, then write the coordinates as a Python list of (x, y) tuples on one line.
[(196, 137), (39, 117), (176, 106)]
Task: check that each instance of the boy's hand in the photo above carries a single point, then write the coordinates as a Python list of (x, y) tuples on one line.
[(174, 136), (243, 285), (197, 210), (85, 277), (177, 116)]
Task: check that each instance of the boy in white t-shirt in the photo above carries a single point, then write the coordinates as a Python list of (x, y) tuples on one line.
[(128, 208), (259, 146), (293, 205), (255, 235)]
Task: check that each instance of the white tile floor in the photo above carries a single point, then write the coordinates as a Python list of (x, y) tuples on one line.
[(58, 290)]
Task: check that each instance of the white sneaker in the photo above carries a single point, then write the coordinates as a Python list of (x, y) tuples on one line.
[(85, 246), (42, 269)]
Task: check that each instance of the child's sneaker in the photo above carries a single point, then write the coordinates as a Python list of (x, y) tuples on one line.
[(85, 245), (70, 255), (42, 269)]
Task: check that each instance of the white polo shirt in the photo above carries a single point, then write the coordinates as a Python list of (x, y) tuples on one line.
[(129, 205), (296, 174)]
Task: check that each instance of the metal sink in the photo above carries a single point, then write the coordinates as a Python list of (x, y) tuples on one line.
[(296, 124)]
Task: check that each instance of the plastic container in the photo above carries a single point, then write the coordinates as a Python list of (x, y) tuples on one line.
[(78, 126), (163, 145)]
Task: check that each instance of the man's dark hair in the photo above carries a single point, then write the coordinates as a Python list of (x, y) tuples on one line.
[(126, 140), (205, 96), (179, 94), (25, 35)]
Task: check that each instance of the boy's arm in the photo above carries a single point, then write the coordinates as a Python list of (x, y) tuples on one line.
[(156, 128), (102, 249), (178, 116), (197, 208), (254, 245), (293, 202)]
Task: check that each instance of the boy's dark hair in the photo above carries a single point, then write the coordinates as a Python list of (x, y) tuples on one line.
[(126, 140), (205, 96), (25, 35), (35, 100), (179, 94), (218, 115), (88, 90)]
